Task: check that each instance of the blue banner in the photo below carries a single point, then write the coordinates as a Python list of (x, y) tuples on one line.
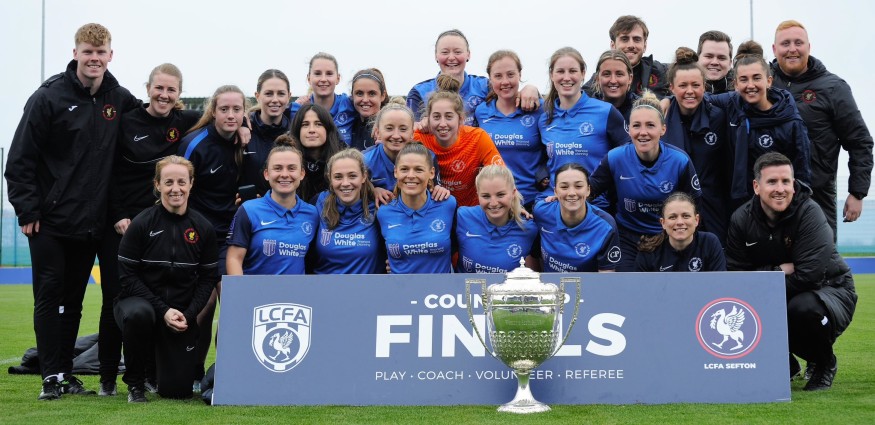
[(406, 340)]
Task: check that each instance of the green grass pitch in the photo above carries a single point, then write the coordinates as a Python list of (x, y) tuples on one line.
[(850, 401)]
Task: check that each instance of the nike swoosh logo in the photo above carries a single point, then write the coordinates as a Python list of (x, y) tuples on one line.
[(471, 235), (392, 226), (545, 230), (213, 170), (151, 234), (72, 108), (662, 269), (189, 348), (138, 138), (265, 223), (248, 153), (379, 179), (622, 177), (750, 243), (732, 124), (488, 119), (550, 128)]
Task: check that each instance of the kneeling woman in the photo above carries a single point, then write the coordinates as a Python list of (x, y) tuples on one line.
[(271, 235), (576, 236), (494, 236), (680, 248), (349, 240), (418, 230), (158, 304)]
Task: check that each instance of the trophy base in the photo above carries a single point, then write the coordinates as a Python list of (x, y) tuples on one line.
[(524, 407)]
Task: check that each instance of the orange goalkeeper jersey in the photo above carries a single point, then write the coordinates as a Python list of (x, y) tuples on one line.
[(460, 163)]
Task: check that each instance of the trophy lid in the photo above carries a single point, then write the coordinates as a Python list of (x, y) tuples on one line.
[(523, 279)]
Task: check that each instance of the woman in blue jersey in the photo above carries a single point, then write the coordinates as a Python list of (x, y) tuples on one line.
[(271, 235), (368, 97), (493, 236), (575, 127), (348, 240), (576, 236), (452, 53), (680, 247), (614, 82), (316, 136), (762, 119), (323, 77), (700, 129), (417, 229), (640, 175), (514, 131), (393, 127), (269, 121)]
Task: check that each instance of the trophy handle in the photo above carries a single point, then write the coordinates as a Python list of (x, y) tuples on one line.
[(482, 283), (562, 282)]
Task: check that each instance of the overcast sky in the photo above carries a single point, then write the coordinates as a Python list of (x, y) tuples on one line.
[(231, 42)]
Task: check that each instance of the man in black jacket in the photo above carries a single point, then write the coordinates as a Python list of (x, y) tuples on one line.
[(782, 229), (58, 174), (832, 118), (629, 35)]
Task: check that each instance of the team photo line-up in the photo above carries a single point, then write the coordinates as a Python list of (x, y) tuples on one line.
[(712, 163)]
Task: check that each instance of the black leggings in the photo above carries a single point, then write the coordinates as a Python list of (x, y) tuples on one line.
[(175, 353)]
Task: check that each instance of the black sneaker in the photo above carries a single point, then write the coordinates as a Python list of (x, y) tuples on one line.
[(150, 386), (795, 368), (821, 378), (136, 394), (809, 370), (51, 390), (107, 389), (72, 385)]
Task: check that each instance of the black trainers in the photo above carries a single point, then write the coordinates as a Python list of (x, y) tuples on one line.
[(795, 368), (822, 376), (809, 370), (150, 386), (72, 385), (51, 390), (107, 389), (136, 394)]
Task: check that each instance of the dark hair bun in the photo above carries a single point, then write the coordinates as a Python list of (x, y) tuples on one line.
[(285, 140), (750, 48), (685, 55)]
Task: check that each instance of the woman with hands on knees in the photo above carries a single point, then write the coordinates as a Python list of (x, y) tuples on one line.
[(158, 305)]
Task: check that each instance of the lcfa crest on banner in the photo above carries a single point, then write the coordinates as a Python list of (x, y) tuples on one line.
[(281, 335)]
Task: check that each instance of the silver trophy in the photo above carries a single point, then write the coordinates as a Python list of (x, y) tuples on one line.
[(524, 324)]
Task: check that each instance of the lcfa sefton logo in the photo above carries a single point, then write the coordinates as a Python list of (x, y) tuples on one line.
[(281, 335), (728, 328)]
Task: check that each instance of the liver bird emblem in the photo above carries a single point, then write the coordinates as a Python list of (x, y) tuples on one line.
[(729, 325), (281, 344)]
